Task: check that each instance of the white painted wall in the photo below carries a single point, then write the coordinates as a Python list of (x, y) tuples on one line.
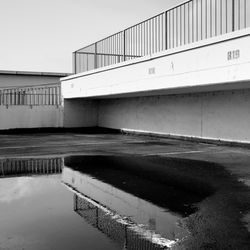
[(13, 117), (201, 64), (80, 113), (194, 91), (223, 115)]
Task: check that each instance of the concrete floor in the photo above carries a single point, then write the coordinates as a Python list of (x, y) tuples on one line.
[(235, 160)]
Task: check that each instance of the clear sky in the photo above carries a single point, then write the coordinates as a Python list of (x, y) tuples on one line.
[(40, 35)]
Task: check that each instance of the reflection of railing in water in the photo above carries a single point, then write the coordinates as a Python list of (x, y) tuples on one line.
[(122, 230), (19, 167)]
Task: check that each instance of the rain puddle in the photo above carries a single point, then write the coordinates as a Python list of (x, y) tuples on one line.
[(94, 202)]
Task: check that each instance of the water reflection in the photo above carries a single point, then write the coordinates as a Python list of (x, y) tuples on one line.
[(136, 211), (124, 199), (169, 187), (123, 230), (125, 202), (26, 167)]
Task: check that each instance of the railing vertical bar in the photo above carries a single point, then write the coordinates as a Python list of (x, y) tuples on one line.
[(141, 39), (155, 37), (201, 7), (132, 41), (188, 22), (245, 13), (233, 15), (144, 39), (221, 31), (215, 17), (206, 16), (226, 15), (112, 48), (176, 20), (169, 30), (148, 37), (197, 21), (162, 31), (173, 29), (239, 14), (159, 33), (135, 29), (136, 40), (184, 24), (180, 25), (153, 42), (141, 29), (193, 22), (95, 58), (128, 40), (211, 18)]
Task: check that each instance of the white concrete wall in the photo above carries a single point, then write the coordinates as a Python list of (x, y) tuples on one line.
[(80, 113), (204, 64), (15, 117), (221, 115), (194, 90)]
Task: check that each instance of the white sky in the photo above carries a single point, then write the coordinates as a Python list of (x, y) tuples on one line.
[(40, 35)]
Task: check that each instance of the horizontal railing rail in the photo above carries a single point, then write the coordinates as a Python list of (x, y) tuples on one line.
[(49, 95), (186, 23)]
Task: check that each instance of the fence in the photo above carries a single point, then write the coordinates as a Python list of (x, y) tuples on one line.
[(33, 96), (186, 23)]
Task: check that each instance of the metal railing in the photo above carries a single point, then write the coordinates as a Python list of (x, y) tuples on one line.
[(186, 23), (49, 94)]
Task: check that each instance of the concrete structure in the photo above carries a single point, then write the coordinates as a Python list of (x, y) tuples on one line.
[(30, 100), (198, 90), (14, 79)]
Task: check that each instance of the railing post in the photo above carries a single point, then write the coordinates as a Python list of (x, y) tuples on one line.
[(124, 45), (166, 30), (233, 14), (74, 62), (95, 59)]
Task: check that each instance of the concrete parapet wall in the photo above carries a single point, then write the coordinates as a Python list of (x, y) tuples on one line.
[(16, 117), (217, 63), (221, 115)]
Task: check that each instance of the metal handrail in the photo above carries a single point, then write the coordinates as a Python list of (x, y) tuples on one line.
[(185, 23)]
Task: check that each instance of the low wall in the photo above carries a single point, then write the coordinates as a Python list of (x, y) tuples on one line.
[(218, 63), (221, 115), (22, 116)]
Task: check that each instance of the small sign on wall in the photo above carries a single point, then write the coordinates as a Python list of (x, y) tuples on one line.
[(233, 55)]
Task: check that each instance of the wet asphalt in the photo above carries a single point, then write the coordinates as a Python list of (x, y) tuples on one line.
[(222, 218)]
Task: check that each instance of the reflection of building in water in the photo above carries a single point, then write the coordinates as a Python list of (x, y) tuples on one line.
[(126, 202), (19, 167), (122, 230)]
